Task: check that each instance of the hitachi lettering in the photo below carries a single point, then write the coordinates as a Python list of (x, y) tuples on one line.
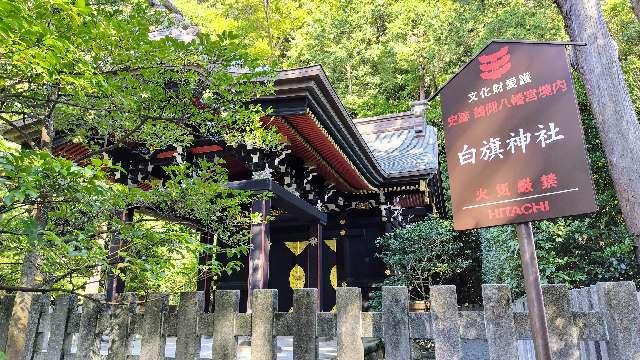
[(526, 209)]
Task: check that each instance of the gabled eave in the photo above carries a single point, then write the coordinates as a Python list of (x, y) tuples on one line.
[(307, 90)]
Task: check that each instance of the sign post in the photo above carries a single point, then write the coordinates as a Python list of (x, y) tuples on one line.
[(515, 150), (532, 286)]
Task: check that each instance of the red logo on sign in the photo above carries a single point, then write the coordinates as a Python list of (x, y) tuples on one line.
[(493, 66)]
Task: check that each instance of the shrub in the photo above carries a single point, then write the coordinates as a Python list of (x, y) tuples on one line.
[(426, 253)]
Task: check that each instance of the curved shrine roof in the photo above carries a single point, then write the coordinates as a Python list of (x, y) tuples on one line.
[(357, 155), (402, 143)]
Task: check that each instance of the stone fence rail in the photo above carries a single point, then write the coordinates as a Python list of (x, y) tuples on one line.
[(583, 299), (66, 330)]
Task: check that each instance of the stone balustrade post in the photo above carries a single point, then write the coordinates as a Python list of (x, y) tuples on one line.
[(227, 305), (349, 323), (563, 335), (92, 308), (23, 325), (118, 331), (305, 324), (621, 312), (58, 325), (6, 308), (152, 339), (498, 322), (395, 322), (263, 340), (189, 310), (446, 322)]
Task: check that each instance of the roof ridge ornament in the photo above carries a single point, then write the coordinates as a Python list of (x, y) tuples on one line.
[(418, 108), (262, 174)]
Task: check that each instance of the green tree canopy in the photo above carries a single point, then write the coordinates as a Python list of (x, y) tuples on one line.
[(380, 54), (107, 75), (266, 27)]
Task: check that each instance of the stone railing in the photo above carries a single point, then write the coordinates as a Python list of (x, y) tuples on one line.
[(94, 330)]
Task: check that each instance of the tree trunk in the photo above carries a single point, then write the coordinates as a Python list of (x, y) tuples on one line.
[(93, 284), (349, 82), (30, 266), (26, 310), (635, 4), (266, 6), (26, 307), (610, 101)]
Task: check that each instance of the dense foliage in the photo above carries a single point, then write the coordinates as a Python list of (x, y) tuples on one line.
[(265, 28), (84, 208), (428, 253), (113, 74)]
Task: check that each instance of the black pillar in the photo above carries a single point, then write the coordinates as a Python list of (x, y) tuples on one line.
[(321, 269), (316, 270), (259, 251), (329, 264), (205, 277), (115, 284)]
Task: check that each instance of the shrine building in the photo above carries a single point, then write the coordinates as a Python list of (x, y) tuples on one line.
[(338, 185)]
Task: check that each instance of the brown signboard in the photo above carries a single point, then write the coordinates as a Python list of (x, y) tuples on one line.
[(515, 146)]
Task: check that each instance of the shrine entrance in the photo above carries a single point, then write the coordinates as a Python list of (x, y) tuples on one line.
[(295, 250), (287, 249)]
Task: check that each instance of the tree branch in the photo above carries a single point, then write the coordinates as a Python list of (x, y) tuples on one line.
[(635, 4), (117, 143), (28, 289), (74, 270), (6, 232), (23, 134)]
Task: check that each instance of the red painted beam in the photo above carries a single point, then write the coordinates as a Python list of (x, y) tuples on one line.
[(206, 149), (166, 154)]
